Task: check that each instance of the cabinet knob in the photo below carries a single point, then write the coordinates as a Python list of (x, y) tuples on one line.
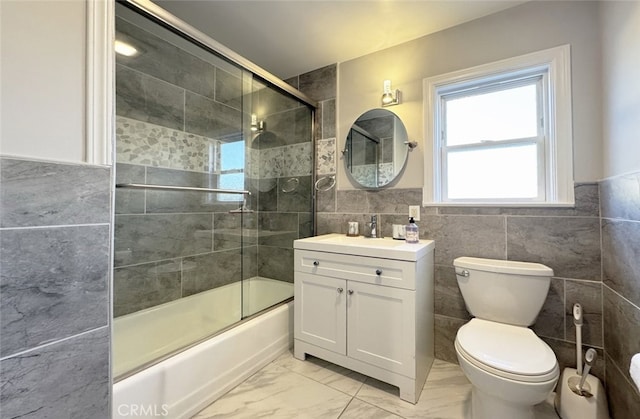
[(316, 263), (340, 290), (378, 271), (350, 292)]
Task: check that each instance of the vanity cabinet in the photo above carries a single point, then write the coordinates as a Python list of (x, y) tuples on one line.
[(371, 314)]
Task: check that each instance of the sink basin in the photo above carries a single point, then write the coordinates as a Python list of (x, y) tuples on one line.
[(386, 248)]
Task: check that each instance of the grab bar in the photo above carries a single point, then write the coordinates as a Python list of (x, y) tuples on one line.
[(179, 188)]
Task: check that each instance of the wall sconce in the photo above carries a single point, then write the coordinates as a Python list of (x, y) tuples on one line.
[(390, 97), (257, 126)]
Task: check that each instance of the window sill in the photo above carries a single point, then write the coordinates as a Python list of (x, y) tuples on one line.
[(502, 204)]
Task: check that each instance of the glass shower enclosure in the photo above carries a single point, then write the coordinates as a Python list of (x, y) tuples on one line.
[(214, 174)]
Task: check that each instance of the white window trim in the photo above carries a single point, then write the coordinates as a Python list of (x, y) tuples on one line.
[(100, 82), (557, 61)]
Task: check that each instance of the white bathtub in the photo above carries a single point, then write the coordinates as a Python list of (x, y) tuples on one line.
[(180, 386)]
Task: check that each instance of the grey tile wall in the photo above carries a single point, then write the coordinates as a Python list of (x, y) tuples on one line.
[(148, 99), (568, 245), (623, 398), (147, 285), (212, 270), (54, 284), (206, 117), (82, 194), (568, 240), (54, 290), (621, 284), (170, 245), (154, 237), (167, 62), (65, 379)]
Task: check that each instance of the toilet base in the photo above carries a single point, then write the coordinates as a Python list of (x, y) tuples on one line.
[(486, 406)]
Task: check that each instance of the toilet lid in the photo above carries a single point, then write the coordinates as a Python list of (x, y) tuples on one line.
[(512, 349)]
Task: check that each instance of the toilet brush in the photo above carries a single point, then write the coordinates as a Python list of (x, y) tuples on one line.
[(577, 321), (577, 382), (580, 395)]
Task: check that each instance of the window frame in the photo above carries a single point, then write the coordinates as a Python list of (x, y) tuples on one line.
[(554, 66)]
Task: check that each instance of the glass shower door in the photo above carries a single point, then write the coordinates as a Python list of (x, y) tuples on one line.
[(190, 263), (280, 151), (178, 265)]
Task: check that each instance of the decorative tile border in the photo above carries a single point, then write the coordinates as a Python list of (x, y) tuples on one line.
[(326, 161), (147, 144), (152, 145), (297, 160)]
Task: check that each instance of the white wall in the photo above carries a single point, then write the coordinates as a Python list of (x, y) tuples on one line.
[(531, 27), (42, 76), (621, 86)]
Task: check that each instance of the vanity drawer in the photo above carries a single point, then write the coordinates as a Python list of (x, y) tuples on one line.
[(387, 272)]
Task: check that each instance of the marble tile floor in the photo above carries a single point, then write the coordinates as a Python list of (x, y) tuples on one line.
[(290, 388)]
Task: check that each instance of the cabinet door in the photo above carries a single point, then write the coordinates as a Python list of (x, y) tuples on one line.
[(381, 325), (320, 311)]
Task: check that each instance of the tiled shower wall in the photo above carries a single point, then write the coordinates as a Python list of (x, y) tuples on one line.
[(54, 290), (320, 85), (170, 126), (620, 198), (566, 239)]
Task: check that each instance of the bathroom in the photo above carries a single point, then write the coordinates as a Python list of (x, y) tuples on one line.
[(592, 247)]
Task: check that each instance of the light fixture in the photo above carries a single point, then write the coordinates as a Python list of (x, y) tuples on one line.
[(125, 49), (390, 97), (257, 126)]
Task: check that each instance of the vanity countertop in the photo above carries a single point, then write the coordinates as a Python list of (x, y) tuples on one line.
[(386, 248)]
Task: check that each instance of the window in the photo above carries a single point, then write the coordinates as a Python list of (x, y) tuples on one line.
[(229, 165), (231, 169), (500, 134)]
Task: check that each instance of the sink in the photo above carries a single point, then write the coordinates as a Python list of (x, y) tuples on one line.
[(386, 248)]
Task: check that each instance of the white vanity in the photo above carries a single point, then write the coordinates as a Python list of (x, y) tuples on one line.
[(367, 305)]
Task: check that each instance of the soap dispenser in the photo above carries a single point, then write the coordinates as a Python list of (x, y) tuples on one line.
[(411, 234)]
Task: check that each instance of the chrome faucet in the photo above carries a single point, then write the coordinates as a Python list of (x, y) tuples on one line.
[(373, 227)]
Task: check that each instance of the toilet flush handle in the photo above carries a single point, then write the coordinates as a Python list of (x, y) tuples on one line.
[(462, 272)]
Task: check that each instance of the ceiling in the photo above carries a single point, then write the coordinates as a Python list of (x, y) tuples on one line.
[(288, 37)]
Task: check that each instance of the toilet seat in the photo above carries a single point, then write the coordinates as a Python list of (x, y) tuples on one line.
[(508, 351)]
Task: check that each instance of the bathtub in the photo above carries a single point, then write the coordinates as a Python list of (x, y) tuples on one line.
[(183, 384)]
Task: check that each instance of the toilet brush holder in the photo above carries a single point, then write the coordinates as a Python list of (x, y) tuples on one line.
[(589, 402)]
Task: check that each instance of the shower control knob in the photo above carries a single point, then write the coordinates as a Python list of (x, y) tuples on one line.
[(340, 290), (378, 271), (316, 263)]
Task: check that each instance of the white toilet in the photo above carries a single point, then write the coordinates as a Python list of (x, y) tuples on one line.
[(510, 368)]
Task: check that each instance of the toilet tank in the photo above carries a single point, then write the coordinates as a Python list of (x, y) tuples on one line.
[(503, 291)]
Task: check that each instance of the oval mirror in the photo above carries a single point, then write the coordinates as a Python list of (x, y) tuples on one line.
[(376, 148)]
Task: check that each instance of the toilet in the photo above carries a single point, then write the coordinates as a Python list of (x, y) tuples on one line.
[(510, 368)]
